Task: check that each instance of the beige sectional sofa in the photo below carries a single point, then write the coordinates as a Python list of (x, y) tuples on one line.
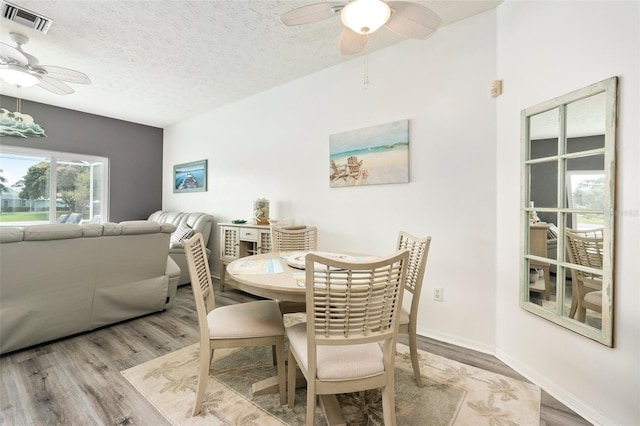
[(62, 279), (186, 224)]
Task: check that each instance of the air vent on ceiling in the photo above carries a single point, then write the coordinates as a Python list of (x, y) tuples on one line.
[(26, 17)]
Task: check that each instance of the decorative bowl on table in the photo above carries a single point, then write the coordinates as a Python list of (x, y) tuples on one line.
[(238, 221)]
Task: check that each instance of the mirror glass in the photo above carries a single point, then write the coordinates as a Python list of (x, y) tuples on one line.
[(568, 194)]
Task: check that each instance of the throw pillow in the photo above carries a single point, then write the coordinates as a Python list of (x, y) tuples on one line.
[(181, 233)]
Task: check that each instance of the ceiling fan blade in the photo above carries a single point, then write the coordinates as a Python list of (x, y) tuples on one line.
[(351, 42), (311, 13), (412, 20), (55, 86), (9, 52), (65, 74)]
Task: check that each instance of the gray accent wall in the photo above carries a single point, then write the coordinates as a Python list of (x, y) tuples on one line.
[(134, 152)]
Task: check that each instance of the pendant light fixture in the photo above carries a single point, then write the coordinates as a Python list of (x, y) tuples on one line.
[(18, 124)]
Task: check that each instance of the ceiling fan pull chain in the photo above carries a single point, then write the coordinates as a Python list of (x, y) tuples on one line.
[(366, 70), (18, 100), (366, 63)]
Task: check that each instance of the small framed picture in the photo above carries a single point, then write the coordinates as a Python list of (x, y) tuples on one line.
[(190, 177)]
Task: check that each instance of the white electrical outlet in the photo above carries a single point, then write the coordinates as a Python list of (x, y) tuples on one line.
[(437, 294)]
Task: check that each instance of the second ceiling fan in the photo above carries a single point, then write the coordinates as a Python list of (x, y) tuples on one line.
[(363, 17)]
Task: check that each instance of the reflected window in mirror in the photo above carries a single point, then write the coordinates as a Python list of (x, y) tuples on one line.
[(567, 193)]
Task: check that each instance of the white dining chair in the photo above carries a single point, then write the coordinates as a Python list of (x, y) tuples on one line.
[(256, 323), (585, 248), (285, 239), (419, 251), (348, 342)]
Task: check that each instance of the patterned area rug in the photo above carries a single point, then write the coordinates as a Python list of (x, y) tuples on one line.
[(454, 393)]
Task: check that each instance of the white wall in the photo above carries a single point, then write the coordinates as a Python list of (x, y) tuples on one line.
[(546, 49), (276, 145)]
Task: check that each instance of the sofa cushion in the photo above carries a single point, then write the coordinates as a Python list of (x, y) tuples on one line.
[(167, 217), (111, 229), (91, 230), (135, 227), (56, 231), (183, 232), (11, 235)]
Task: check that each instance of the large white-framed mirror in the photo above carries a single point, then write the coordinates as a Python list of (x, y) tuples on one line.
[(568, 161)]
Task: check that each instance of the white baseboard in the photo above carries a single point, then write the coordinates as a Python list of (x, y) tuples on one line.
[(555, 390), (458, 341)]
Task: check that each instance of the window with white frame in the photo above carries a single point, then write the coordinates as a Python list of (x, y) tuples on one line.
[(39, 186)]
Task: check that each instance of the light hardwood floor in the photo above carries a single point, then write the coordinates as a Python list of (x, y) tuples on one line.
[(77, 380)]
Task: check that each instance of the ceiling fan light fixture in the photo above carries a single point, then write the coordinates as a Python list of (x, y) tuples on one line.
[(18, 76), (365, 16)]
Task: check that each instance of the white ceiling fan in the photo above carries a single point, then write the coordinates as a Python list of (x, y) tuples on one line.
[(363, 17), (21, 69)]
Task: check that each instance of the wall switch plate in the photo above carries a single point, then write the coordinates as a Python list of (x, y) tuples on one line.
[(437, 294)]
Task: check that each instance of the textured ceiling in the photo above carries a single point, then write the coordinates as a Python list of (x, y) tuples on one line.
[(160, 62)]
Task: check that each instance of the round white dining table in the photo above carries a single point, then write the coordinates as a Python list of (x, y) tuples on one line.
[(270, 285)]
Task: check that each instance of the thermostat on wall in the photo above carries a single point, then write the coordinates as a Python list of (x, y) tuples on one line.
[(496, 88)]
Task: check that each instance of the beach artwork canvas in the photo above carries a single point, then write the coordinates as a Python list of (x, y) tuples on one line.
[(190, 177), (370, 156)]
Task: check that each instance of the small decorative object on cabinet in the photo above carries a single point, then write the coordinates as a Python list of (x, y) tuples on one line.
[(261, 211), (241, 240)]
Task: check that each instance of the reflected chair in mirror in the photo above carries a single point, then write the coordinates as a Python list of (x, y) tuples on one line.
[(348, 342), (419, 251), (585, 248), (234, 326), (285, 239)]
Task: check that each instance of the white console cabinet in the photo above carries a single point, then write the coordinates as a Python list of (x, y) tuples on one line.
[(241, 240)]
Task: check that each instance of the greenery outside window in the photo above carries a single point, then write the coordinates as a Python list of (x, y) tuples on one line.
[(38, 186)]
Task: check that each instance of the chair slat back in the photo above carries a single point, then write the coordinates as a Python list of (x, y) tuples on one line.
[(200, 274), (283, 239), (419, 251), (353, 302), (585, 248)]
